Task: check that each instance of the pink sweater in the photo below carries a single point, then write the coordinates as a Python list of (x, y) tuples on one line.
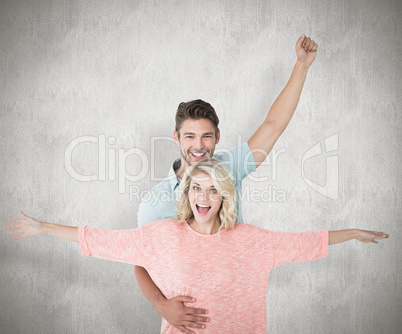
[(226, 272)]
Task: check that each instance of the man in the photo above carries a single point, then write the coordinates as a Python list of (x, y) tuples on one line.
[(196, 135)]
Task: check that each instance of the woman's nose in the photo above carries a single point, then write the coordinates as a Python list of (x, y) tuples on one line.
[(203, 195)]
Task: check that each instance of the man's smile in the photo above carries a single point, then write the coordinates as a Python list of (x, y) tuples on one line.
[(198, 155)]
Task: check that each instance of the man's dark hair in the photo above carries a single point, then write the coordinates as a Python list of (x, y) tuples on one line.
[(196, 109)]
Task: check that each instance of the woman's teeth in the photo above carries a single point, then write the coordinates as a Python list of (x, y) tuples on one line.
[(203, 209)]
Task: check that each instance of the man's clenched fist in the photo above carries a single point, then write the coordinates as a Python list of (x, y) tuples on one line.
[(306, 49)]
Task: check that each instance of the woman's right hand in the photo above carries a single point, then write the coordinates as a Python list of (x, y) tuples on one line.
[(27, 225)]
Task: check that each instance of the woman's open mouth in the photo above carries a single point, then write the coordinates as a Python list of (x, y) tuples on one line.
[(202, 209)]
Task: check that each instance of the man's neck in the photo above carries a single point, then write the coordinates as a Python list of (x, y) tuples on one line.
[(182, 169)]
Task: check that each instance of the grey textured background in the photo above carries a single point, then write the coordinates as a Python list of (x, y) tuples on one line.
[(120, 68)]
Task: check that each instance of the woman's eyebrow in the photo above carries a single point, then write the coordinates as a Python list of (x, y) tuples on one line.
[(195, 183)]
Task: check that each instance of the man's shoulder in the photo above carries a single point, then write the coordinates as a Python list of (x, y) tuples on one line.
[(226, 153), (161, 190), (237, 158), (163, 185), (159, 202)]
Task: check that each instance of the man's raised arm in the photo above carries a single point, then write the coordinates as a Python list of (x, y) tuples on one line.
[(262, 141)]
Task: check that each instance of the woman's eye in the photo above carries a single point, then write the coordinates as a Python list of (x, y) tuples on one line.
[(214, 191), (196, 188)]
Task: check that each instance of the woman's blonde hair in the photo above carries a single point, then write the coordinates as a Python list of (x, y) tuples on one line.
[(223, 181)]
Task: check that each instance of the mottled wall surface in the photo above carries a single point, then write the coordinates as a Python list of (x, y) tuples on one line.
[(112, 74)]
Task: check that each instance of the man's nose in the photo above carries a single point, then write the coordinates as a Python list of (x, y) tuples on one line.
[(199, 143)]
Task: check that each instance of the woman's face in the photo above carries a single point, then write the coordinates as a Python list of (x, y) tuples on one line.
[(205, 200)]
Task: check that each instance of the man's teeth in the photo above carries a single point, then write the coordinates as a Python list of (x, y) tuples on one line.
[(198, 154)]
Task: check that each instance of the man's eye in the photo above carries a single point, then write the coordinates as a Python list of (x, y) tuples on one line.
[(189, 137)]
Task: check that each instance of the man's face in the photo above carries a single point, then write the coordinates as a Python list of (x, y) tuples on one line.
[(197, 141)]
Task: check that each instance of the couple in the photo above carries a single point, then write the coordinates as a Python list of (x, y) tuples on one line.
[(204, 253)]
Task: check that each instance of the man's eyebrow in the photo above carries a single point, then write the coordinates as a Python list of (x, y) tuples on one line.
[(204, 134)]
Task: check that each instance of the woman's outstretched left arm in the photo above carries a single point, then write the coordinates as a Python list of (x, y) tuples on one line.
[(336, 237), (30, 226)]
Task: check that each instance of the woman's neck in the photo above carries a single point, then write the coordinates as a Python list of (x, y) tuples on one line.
[(210, 227)]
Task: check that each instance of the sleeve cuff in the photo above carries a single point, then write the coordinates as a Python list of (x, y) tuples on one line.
[(83, 243), (324, 248)]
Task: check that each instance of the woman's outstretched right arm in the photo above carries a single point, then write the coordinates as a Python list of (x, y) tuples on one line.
[(30, 226), (120, 245)]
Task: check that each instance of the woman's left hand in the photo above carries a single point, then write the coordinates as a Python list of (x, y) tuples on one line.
[(370, 236)]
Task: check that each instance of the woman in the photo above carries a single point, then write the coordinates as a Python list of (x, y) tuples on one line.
[(205, 253)]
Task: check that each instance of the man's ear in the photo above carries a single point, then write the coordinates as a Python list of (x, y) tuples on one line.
[(218, 136), (176, 137)]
